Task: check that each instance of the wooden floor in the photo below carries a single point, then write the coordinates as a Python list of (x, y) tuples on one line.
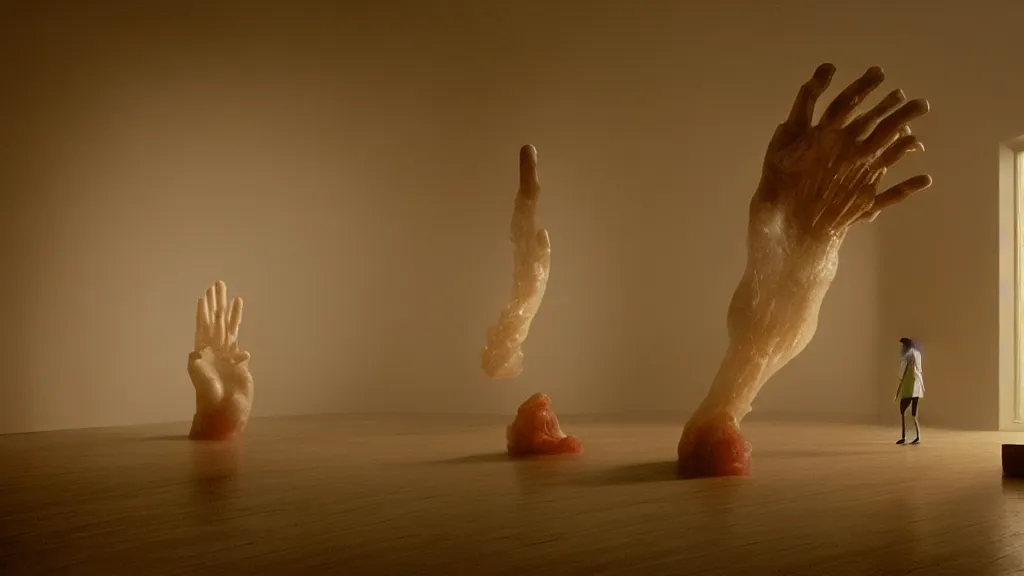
[(436, 496)]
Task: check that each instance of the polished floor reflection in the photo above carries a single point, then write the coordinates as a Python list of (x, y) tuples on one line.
[(437, 496)]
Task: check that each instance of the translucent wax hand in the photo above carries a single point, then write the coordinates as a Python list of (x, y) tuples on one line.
[(502, 356), (817, 181), (219, 370), (536, 432)]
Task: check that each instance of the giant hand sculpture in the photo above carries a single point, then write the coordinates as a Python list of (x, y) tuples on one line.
[(817, 180), (219, 370), (502, 356)]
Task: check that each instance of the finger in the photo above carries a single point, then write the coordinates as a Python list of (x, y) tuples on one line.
[(543, 251), (845, 104), (889, 127), (202, 321), (866, 122), (860, 201), (222, 296), (234, 321), (207, 312), (898, 193), (211, 310), (897, 150), (219, 329), (240, 356), (903, 132), (802, 113), (529, 184)]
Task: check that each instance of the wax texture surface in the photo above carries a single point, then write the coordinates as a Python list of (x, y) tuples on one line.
[(536, 432), (502, 355), (219, 369), (817, 181)]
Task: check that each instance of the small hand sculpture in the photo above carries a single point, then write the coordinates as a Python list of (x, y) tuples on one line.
[(817, 180), (502, 355), (219, 370)]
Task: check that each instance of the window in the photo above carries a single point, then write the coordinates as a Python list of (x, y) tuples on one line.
[(1018, 197), (1011, 284)]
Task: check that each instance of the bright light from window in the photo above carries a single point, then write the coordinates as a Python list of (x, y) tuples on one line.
[(1018, 184)]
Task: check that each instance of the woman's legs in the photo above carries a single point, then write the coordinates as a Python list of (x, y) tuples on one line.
[(904, 404), (917, 427)]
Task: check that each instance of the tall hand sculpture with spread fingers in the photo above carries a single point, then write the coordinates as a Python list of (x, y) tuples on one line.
[(502, 356), (817, 180), (219, 370)]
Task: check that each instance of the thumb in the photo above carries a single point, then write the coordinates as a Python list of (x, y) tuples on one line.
[(201, 370), (543, 240), (194, 357)]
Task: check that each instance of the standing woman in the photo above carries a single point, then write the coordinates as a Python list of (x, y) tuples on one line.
[(911, 387)]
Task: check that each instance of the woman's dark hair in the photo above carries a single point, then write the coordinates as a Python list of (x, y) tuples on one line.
[(908, 342)]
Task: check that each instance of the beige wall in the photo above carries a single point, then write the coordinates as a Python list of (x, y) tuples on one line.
[(349, 170), (942, 278)]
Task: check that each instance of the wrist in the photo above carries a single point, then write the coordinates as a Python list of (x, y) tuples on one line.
[(742, 372)]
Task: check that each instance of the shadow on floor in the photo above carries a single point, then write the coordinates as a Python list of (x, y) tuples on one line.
[(1013, 486), (788, 454), (633, 474), (168, 437), (476, 459), (504, 457)]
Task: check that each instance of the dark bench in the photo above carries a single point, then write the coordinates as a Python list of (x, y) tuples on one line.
[(1013, 460)]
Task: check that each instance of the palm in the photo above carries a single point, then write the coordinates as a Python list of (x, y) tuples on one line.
[(219, 370)]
